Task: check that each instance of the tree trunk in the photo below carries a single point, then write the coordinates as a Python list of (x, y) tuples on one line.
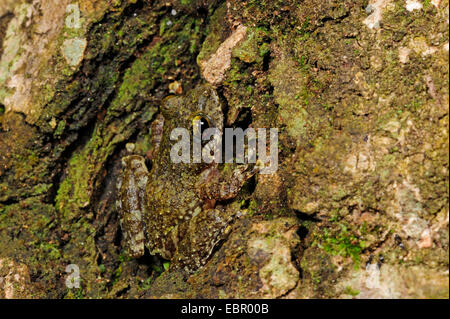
[(357, 88)]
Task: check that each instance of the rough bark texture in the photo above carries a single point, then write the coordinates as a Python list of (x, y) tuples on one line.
[(359, 89)]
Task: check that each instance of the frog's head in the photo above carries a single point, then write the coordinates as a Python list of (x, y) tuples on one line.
[(199, 109)]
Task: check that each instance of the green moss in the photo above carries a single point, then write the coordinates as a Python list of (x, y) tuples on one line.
[(350, 291), (253, 207), (51, 250), (75, 191), (146, 284), (291, 97), (342, 243), (60, 128), (158, 62), (215, 34), (267, 13), (29, 238), (254, 47), (76, 293)]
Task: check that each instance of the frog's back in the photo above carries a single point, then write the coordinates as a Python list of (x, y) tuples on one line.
[(172, 201)]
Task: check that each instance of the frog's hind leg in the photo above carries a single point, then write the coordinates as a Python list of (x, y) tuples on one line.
[(131, 203), (133, 234), (202, 234)]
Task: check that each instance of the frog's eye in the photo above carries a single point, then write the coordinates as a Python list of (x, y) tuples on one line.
[(200, 124)]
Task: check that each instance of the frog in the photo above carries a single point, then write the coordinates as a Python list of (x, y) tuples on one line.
[(176, 210)]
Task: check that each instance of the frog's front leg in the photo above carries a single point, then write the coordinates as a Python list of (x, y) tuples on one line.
[(131, 203), (216, 186)]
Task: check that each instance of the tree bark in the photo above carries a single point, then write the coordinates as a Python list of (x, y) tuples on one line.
[(358, 90)]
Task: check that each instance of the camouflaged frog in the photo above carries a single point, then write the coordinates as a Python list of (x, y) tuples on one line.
[(172, 210)]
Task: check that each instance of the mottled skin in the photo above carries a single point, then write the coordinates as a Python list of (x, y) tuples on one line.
[(172, 210)]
